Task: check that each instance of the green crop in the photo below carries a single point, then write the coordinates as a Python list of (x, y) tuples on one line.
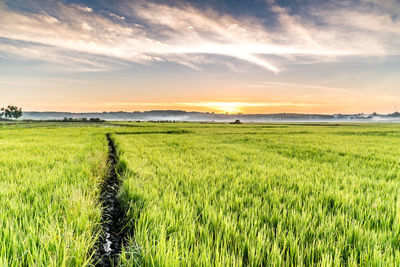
[(49, 190), (203, 194), (263, 195)]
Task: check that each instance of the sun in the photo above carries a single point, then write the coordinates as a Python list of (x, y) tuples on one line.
[(226, 107)]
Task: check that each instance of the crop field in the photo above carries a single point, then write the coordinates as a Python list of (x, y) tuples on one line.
[(203, 194), (49, 186)]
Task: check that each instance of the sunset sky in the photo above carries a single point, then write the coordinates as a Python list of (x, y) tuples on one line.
[(254, 56)]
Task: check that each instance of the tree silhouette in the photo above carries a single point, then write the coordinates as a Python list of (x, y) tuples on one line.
[(11, 112)]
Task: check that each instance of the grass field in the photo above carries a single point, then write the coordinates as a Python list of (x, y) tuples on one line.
[(227, 195), (49, 189), (204, 194)]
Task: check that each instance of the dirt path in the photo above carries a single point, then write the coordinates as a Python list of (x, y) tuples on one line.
[(110, 241)]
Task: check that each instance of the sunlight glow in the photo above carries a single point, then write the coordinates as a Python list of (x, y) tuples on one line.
[(238, 107), (226, 107), (219, 107)]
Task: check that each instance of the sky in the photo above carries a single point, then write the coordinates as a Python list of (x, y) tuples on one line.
[(247, 56)]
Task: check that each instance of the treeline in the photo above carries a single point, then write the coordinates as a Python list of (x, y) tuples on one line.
[(82, 120), (70, 120)]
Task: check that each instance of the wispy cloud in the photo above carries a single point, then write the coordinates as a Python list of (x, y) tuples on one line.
[(67, 60), (186, 35)]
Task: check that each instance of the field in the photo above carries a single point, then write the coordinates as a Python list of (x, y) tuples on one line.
[(49, 189), (203, 194)]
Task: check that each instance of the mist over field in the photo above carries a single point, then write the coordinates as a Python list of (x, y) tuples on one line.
[(182, 116)]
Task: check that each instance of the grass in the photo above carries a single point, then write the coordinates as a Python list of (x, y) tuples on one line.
[(257, 195), (204, 194), (49, 190)]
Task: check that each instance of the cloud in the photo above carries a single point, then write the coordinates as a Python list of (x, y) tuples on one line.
[(116, 16), (83, 8), (66, 60), (371, 29), (189, 36)]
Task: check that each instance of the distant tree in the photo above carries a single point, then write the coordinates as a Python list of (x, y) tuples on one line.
[(11, 112), (95, 120)]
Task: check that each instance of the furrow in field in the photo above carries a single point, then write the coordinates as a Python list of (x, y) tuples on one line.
[(113, 217)]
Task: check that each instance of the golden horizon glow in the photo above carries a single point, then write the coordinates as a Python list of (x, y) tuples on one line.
[(216, 107), (220, 107), (239, 107), (227, 107)]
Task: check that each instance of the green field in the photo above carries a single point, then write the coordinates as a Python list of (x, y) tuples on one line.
[(49, 189), (204, 194)]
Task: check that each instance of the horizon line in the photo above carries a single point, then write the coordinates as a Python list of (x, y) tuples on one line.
[(209, 112)]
